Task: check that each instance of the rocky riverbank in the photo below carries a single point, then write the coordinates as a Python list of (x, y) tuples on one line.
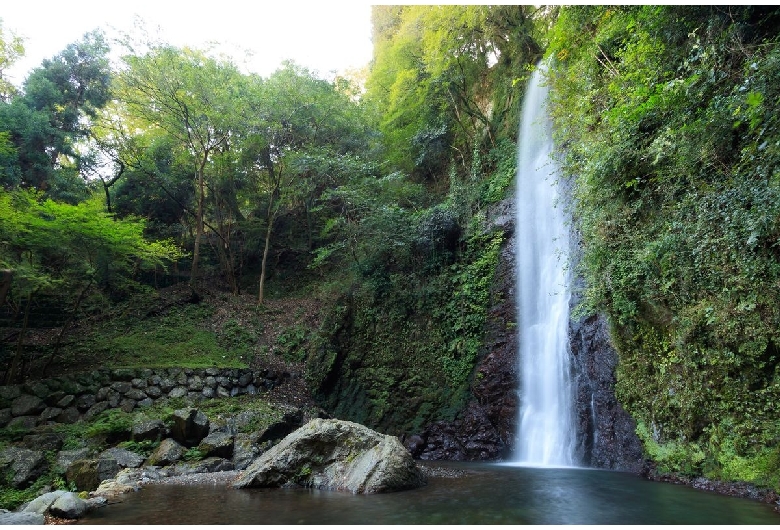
[(731, 489)]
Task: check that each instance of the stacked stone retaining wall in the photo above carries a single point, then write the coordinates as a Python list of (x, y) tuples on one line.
[(70, 398)]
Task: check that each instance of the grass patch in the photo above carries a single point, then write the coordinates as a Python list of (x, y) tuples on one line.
[(181, 337)]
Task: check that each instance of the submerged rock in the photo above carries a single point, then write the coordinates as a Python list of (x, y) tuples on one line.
[(335, 455)]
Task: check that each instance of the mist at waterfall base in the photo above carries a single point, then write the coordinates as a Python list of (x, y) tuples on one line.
[(546, 434)]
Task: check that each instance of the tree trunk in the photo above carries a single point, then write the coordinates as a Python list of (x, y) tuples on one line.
[(198, 227), (6, 276), (265, 259)]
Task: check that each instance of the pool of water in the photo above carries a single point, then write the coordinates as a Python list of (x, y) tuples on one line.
[(482, 494)]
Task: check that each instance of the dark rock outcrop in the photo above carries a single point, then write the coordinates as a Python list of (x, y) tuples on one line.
[(484, 430), (20, 467), (335, 455), (168, 452), (190, 426), (607, 433), (89, 473)]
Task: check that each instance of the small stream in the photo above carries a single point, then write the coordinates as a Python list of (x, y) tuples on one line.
[(481, 494)]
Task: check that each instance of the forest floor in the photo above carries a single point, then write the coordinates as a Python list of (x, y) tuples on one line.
[(176, 329)]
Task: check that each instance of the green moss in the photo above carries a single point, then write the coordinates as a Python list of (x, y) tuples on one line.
[(679, 213), (182, 337)]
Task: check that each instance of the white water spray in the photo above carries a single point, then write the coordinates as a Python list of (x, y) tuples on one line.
[(546, 433)]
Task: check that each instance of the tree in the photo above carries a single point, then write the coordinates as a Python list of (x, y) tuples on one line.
[(434, 74), (11, 49), (193, 98), (297, 122), (70, 250), (48, 124)]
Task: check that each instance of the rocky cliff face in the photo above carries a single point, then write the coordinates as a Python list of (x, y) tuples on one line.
[(485, 429), (607, 437)]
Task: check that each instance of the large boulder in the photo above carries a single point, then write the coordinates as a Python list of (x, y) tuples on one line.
[(335, 455), (42, 503), (68, 506), (27, 405), (66, 457), (245, 450), (20, 467), (278, 430), (190, 426), (218, 444), (152, 430), (44, 442), (168, 452), (87, 474), (23, 518), (122, 457)]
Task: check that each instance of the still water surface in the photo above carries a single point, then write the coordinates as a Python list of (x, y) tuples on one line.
[(483, 494)]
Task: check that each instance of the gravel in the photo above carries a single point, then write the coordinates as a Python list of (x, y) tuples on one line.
[(217, 478)]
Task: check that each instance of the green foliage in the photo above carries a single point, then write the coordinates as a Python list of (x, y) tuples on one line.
[(499, 184), (193, 454), (56, 246), (109, 422), (441, 81), (466, 311), (672, 456), (668, 115), (292, 341), (143, 448), (399, 352), (11, 50), (48, 123), (11, 499), (239, 339)]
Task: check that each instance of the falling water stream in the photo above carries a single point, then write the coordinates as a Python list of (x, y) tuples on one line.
[(546, 435)]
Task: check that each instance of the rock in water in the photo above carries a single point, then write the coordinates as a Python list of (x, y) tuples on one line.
[(7, 517), (68, 506), (335, 455)]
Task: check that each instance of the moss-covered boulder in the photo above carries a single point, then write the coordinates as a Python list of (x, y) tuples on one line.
[(87, 474)]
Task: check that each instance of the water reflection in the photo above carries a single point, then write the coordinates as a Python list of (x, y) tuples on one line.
[(484, 494)]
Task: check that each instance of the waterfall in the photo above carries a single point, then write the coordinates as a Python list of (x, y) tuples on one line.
[(546, 433)]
